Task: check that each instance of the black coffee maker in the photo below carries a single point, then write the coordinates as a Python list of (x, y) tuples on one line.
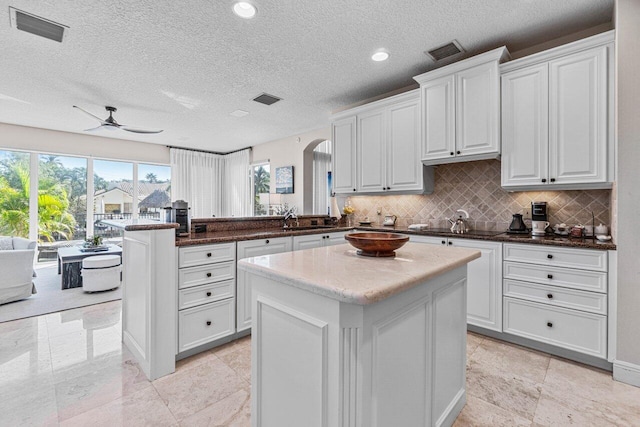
[(181, 213), (517, 225)]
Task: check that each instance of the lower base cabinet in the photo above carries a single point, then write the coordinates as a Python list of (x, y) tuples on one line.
[(484, 280), (205, 323)]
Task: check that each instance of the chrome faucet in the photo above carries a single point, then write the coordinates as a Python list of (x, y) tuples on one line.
[(291, 213)]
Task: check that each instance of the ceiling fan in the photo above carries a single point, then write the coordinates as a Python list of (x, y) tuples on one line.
[(110, 123)]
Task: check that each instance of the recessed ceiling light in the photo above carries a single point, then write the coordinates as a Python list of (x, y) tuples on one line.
[(380, 55), (244, 10), (239, 113)]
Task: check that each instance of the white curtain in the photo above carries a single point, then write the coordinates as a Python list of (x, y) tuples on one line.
[(197, 178), (237, 184), (212, 184), (321, 168)]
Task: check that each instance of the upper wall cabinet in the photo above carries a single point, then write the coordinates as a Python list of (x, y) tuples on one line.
[(557, 116), (461, 110), (377, 148)]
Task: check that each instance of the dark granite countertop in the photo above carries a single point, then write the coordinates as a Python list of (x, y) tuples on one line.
[(494, 236), (139, 224)]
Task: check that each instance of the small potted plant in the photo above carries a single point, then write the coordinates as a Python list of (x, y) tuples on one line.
[(93, 242), (349, 211)]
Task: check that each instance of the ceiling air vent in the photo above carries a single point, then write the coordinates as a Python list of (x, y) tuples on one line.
[(266, 99), (446, 51), (36, 25)]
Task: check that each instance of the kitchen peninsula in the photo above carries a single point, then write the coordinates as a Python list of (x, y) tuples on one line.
[(341, 339)]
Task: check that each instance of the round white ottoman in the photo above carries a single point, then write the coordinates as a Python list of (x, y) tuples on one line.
[(101, 272)]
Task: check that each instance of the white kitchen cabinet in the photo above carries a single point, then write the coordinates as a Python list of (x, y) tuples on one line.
[(343, 134), (310, 241), (484, 280), (557, 114), (387, 148), (206, 291), (557, 296), (248, 249), (461, 110)]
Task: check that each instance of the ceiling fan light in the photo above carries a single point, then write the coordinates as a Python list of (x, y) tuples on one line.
[(244, 9)]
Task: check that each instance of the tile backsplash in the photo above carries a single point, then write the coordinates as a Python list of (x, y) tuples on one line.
[(475, 187)]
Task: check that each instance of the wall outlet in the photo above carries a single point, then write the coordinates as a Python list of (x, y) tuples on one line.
[(526, 212)]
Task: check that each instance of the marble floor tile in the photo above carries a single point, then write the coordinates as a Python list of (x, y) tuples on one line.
[(117, 377), (478, 413), (473, 341), (143, 408), (30, 402), (190, 390), (244, 342), (503, 388), (512, 358), (570, 411), (84, 318), (234, 410), (196, 359), (80, 346), (239, 361)]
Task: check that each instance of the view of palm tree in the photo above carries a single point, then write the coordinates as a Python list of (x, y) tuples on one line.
[(261, 185)]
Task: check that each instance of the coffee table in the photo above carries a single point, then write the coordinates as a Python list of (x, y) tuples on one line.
[(70, 263)]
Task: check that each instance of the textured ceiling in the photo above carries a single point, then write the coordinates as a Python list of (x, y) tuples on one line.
[(183, 66)]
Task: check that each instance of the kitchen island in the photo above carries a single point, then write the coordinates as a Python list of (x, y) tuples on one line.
[(341, 339)]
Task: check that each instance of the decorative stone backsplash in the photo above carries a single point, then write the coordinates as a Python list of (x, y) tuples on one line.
[(475, 187)]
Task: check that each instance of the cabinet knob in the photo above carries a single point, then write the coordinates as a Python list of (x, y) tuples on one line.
[(549, 276), (208, 274), (208, 294), (354, 189), (450, 243), (208, 322), (209, 254), (550, 296), (451, 153), (544, 179), (444, 243), (552, 180), (388, 188), (266, 241), (457, 152), (550, 256), (549, 324)]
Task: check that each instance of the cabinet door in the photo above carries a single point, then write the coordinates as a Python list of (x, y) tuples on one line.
[(430, 240), (404, 168), (484, 284), (335, 238), (343, 133), (370, 151), (525, 126), (307, 242), (247, 249), (477, 110), (438, 118), (578, 118)]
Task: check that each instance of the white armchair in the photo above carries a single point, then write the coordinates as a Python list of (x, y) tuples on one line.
[(16, 269)]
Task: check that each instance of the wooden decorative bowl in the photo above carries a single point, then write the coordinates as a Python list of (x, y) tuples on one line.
[(376, 244)]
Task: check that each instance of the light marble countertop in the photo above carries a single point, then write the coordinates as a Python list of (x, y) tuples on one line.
[(338, 272), (139, 224)]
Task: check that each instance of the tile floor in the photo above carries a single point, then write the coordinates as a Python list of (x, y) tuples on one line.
[(70, 369)]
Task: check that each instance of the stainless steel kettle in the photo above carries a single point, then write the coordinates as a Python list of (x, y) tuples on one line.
[(459, 226)]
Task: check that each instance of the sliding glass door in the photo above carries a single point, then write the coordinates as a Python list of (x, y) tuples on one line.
[(14, 193)]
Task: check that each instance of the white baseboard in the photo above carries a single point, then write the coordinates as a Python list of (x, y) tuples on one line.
[(626, 372)]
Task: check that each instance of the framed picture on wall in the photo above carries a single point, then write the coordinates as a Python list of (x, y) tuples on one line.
[(284, 180)]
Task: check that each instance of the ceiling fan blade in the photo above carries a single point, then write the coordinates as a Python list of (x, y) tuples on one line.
[(89, 114), (136, 130), (94, 129)]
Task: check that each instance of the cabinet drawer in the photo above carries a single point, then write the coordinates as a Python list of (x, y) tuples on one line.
[(205, 323), (569, 278), (198, 295), (557, 296), (190, 256), (195, 276), (585, 259), (574, 330)]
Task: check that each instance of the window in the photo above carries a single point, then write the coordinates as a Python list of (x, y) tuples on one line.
[(261, 184), (154, 190), (14, 193), (62, 198), (112, 196)]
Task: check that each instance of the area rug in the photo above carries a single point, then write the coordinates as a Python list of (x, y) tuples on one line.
[(50, 298)]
